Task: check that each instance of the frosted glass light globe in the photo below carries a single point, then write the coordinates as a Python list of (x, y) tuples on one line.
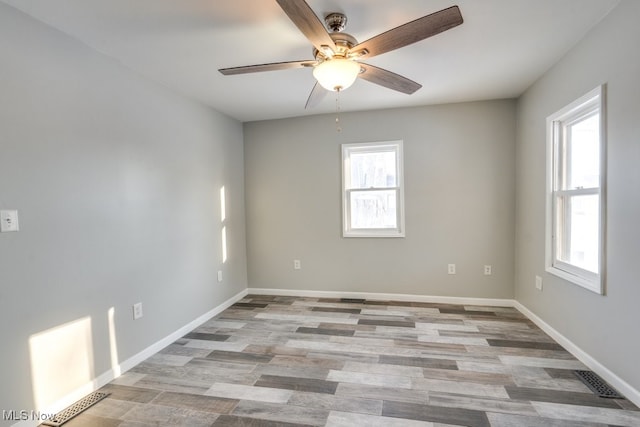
[(336, 74)]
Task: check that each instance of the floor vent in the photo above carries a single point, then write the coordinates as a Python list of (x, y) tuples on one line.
[(598, 385), (75, 409)]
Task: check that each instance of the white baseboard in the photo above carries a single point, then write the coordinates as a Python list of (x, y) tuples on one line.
[(154, 348), (615, 381), (495, 302), (123, 367)]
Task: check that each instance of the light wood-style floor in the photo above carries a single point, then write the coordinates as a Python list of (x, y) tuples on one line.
[(291, 361)]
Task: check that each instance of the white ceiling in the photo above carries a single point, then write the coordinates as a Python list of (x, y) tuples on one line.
[(502, 47)]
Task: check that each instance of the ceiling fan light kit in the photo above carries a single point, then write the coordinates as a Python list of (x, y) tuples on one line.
[(336, 64), (336, 74)]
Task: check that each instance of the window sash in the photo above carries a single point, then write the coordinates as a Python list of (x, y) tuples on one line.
[(564, 146), (396, 221), (563, 230), (351, 149)]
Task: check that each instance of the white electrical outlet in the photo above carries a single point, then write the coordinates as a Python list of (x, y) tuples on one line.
[(539, 283), (137, 311), (487, 270), (451, 269), (8, 221), (296, 264), (219, 275)]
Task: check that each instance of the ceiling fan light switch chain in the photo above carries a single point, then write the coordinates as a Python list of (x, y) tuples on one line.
[(338, 125)]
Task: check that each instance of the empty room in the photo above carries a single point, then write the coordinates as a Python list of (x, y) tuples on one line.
[(319, 213)]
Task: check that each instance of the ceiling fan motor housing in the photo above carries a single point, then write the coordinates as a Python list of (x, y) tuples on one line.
[(343, 42)]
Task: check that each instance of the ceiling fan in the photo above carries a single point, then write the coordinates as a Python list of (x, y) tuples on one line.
[(337, 55)]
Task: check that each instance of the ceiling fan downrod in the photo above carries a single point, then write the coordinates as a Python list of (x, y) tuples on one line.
[(335, 22)]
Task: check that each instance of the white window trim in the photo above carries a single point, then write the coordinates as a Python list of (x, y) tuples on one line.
[(346, 220), (586, 279)]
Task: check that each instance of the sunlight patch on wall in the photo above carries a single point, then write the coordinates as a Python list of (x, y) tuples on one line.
[(113, 343), (223, 217), (223, 205), (61, 361), (224, 244)]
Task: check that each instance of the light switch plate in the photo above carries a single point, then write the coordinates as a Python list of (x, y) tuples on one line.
[(8, 221)]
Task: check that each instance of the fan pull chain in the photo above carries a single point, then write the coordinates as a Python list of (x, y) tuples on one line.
[(338, 127)]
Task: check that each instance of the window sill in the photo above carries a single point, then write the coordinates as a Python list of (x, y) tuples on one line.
[(385, 234), (590, 284)]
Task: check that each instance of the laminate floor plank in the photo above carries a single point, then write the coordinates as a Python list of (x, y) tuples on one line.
[(298, 384), (349, 419), (382, 393), (439, 414), (236, 421), (359, 405)]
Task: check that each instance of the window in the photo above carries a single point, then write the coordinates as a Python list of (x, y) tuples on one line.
[(575, 203), (372, 190)]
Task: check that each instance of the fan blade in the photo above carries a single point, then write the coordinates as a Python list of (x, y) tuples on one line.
[(306, 20), (409, 33), (266, 67), (317, 94), (388, 79)]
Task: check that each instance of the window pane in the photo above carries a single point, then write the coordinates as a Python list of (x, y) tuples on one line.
[(584, 160), (373, 169), (579, 224), (373, 209)]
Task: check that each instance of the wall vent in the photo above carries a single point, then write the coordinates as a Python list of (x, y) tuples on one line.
[(598, 385), (75, 409)]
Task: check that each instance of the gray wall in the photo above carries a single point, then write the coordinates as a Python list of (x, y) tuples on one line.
[(117, 183), (459, 198), (603, 326)]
